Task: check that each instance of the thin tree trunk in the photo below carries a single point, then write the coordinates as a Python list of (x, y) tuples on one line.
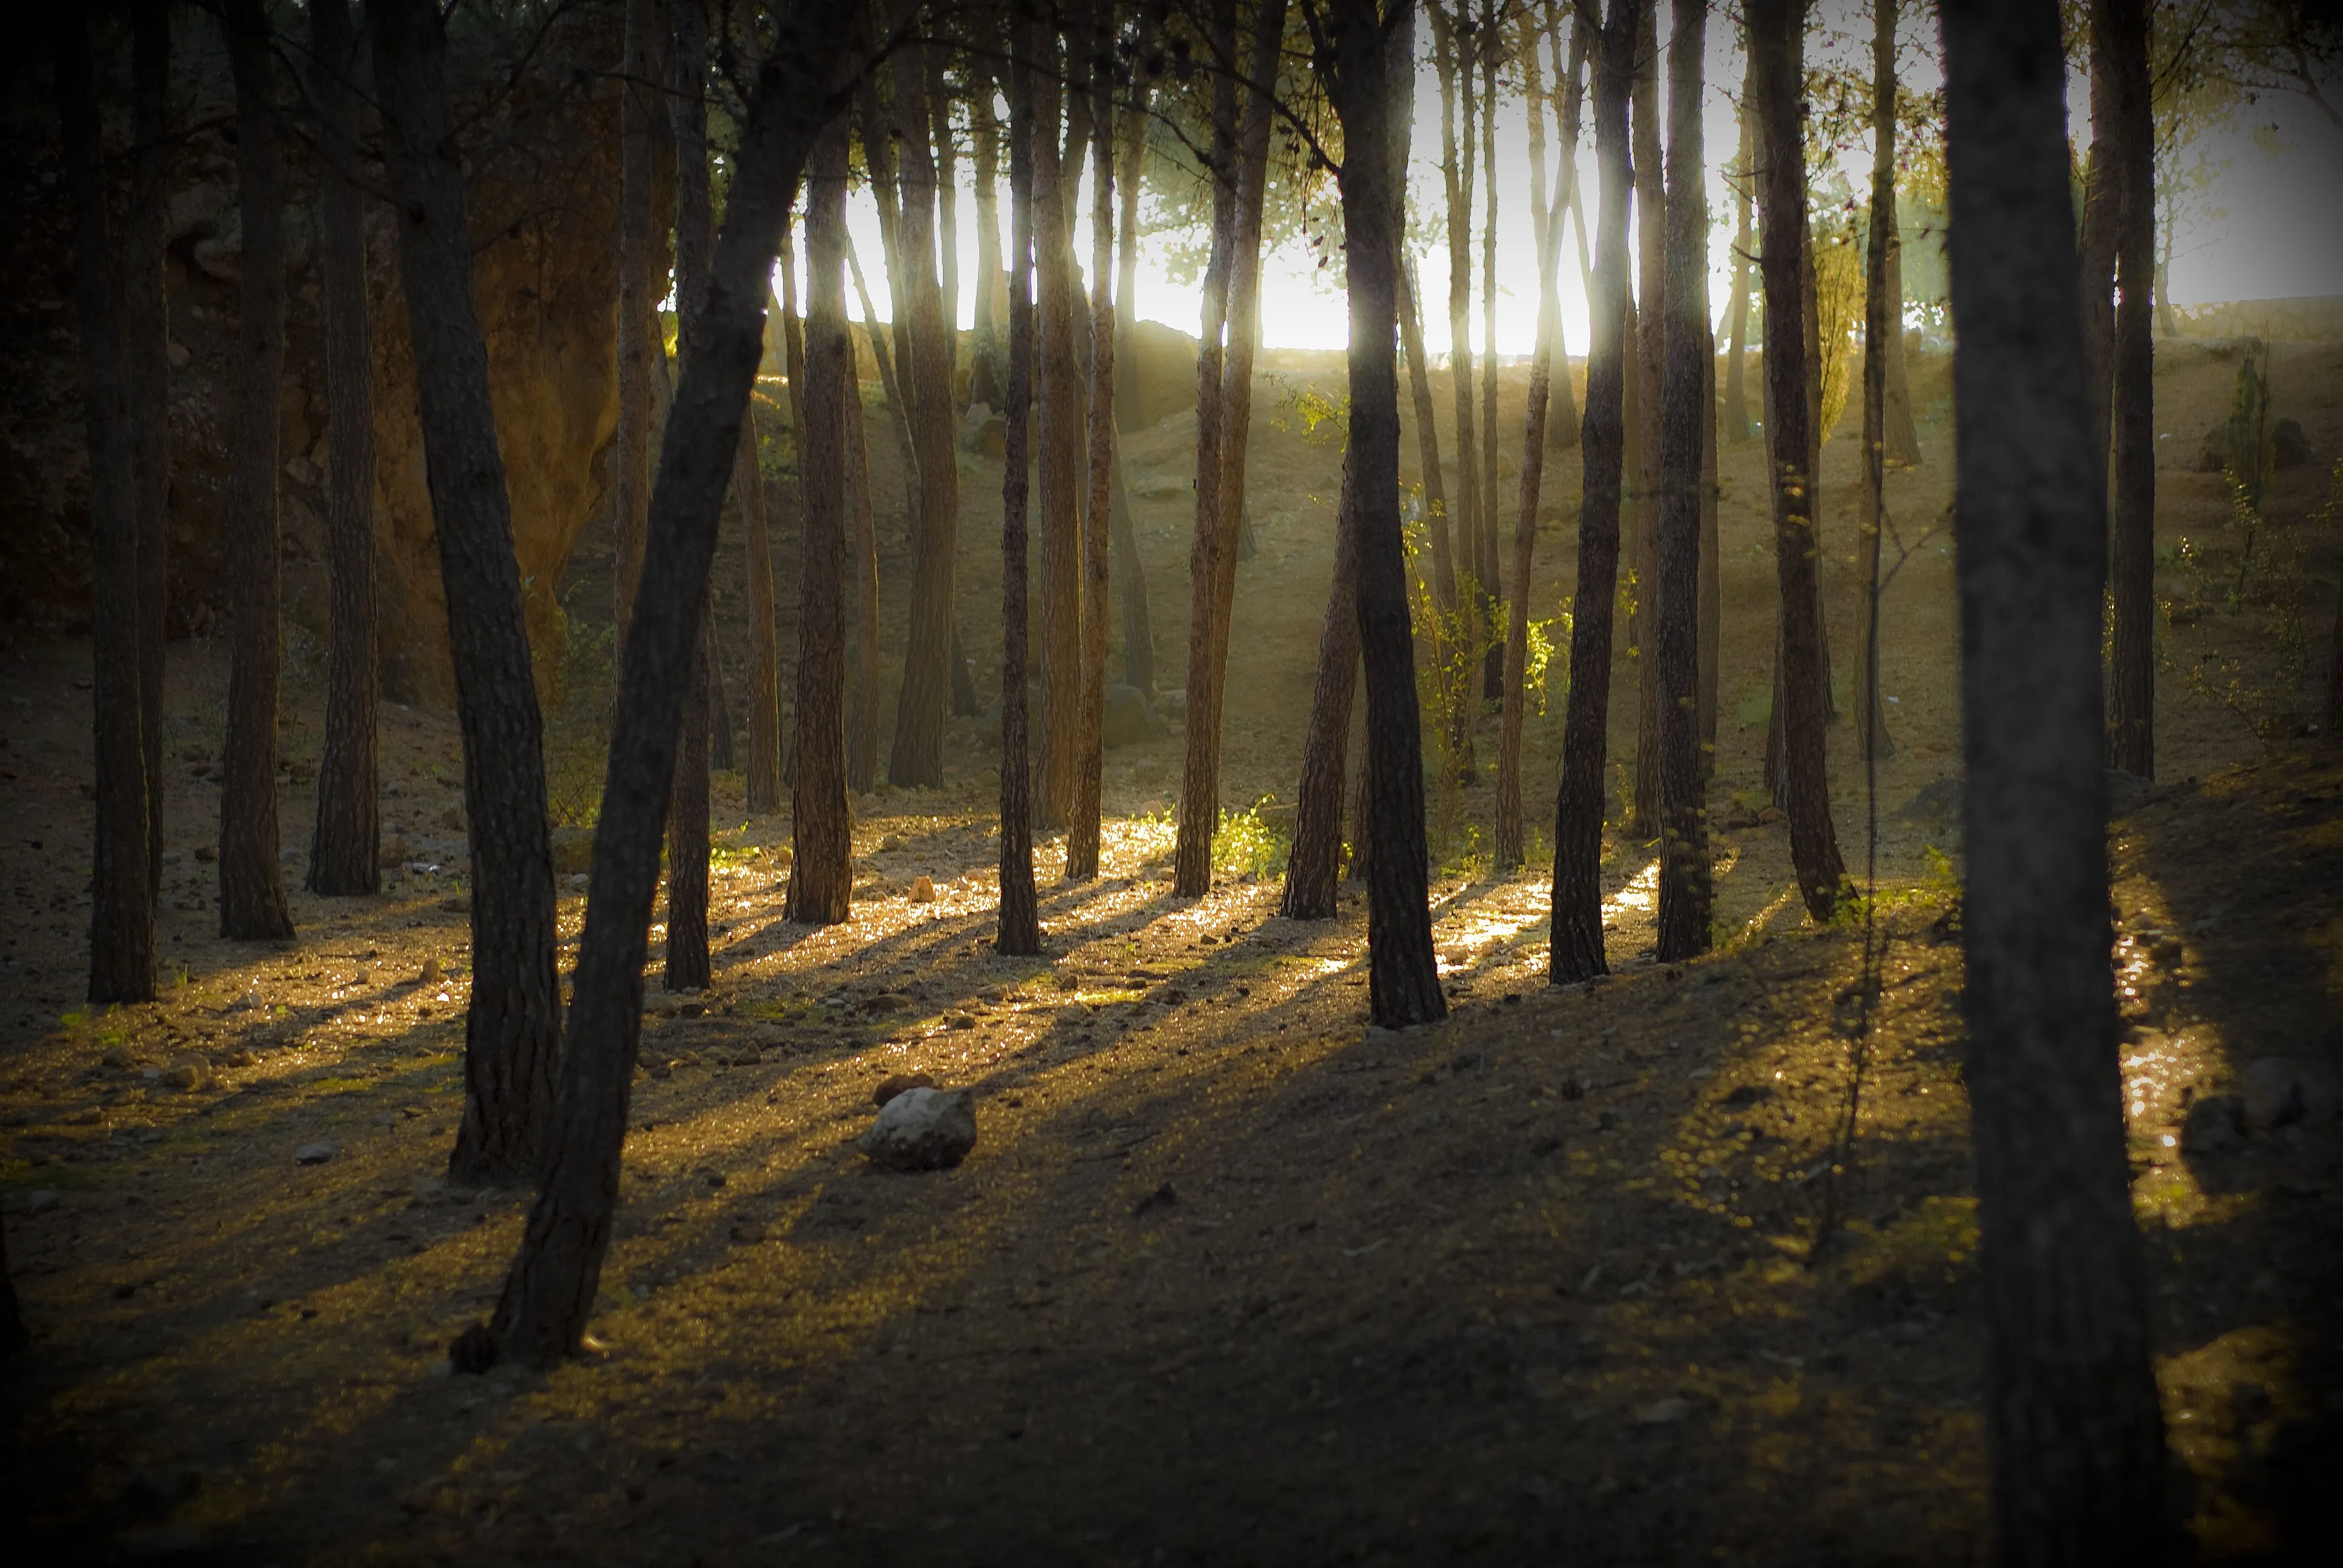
[(898, 418), (1374, 79), (642, 283), (1020, 928), (1685, 890), (1776, 51), (1872, 739), (121, 895), (1570, 79), (2131, 709), (1427, 440), (1133, 156), (513, 1024), (1646, 385), (252, 891), (1492, 587), (762, 784), (1576, 945), (1736, 312), (2071, 1407), (984, 135), (344, 852), (550, 1292), (1313, 870), (792, 336), (1711, 584), (863, 743), (722, 756), (147, 365), (1458, 153), (1061, 482), (947, 164), (2102, 218), (1903, 437), (1089, 760), (821, 866)]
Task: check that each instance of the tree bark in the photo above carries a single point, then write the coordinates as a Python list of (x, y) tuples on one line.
[(1374, 79), (1427, 440), (1685, 888), (2102, 221), (122, 893), (1458, 156), (1645, 386), (1570, 80), (513, 1026), (1313, 869), (2131, 709), (1902, 436), (1736, 312), (1484, 534), (1872, 739), (146, 365), (1062, 483), (1575, 944), (1133, 156), (762, 783), (2071, 1404), (985, 371), (1019, 933), (947, 167), (1131, 578), (1089, 760), (800, 86), (821, 868), (862, 744), (642, 283)]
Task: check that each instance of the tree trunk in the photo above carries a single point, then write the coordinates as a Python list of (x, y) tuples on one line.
[(1872, 739), (984, 135), (1684, 892), (898, 420), (252, 891), (863, 743), (1020, 930), (793, 337), (1133, 156), (550, 1292), (1373, 80), (1484, 534), (1089, 760), (762, 784), (2102, 220), (821, 866), (344, 852), (122, 893), (146, 367), (1200, 804), (1736, 312), (1903, 438), (642, 283), (1313, 870), (2131, 710), (1131, 578), (513, 1026), (1777, 54), (1570, 79), (1061, 484), (1575, 945), (1711, 584), (947, 167), (2071, 1405), (1427, 440), (1459, 152), (1645, 386)]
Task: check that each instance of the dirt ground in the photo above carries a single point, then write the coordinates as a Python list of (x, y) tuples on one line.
[(1230, 1277)]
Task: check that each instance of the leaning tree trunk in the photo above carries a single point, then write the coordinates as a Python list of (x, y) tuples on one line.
[(1374, 76), (252, 892), (2131, 708), (1736, 311), (550, 1292), (821, 866), (1019, 933), (1646, 384), (1061, 486), (1576, 945), (1776, 51), (1130, 580), (2071, 1413), (345, 853), (1685, 888), (121, 895), (1872, 739), (513, 1027), (1090, 759), (146, 364)]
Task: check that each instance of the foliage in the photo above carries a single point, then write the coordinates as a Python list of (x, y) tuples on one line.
[(1838, 303), (1313, 409), (2249, 449), (1248, 844)]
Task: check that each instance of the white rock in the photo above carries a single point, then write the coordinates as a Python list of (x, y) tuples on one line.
[(922, 1130)]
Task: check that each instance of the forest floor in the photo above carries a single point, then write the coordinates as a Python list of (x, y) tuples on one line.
[(1230, 1276)]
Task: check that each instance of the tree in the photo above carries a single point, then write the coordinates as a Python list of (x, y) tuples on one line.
[(1737, 398), (2072, 1418), (1061, 436), (513, 1026), (762, 783), (1575, 944), (1314, 866), (1645, 380), (1427, 440), (802, 84), (2102, 220), (345, 854), (1019, 930), (821, 868), (984, 139), (1685, 894), (1458, 155), (121, 892), (642, 283), (1872, 739), (1484, 533), (252, 892), (1369, 47), (862, 740), (1776, 51), (2131, 708), (1089, 760), (146, 347)]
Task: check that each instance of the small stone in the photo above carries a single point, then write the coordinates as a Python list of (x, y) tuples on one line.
[(889, 844), (188, 1073), (922, 1130), (1660, 1413), (430, 975), (364, 977), (2215, 1125), (314, 1153), (896, 1083), (960, 1020), (40, 1202), (747, 1056), (923, 891)]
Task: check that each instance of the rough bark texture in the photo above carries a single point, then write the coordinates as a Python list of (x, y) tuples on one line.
[(121, 891), (1872, 739), (1059, 374), (1576, 945), (2071, 1411), (642, 283), (1736, 312), (2131, 706), (1684, 892), (344, 852), (1903, 434), (801, 85), (513, 1026), (1776, 50), (1020, 928), (821, 866), (1089, 760), (252, 891), (146, 396)]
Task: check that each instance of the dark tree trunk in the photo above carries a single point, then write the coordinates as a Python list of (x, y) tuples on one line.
[(1427, 440), (800, 86), (1314, 870), (1484, 534), (1090, 760), (1711, 583), (1061, 436), (2131, 709), (1570, 82), (146, 365), (762, 782), (2071, 1411), (1575, 945), (513, 1028), (1645, 386), (1133, 155), (1684, 892), (863, 743), (121, 892), (821, 870), (1872, 739), (2102, 220), (1374, 79), (1020, 930), (1458, 156), (985, 371), (642, 283), (947, 169), (345, 854), (252, 891), (1736, 311), (1777, 52), (1902, 436)]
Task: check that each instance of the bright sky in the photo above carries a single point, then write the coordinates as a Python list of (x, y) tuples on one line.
[(2270, 225)]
